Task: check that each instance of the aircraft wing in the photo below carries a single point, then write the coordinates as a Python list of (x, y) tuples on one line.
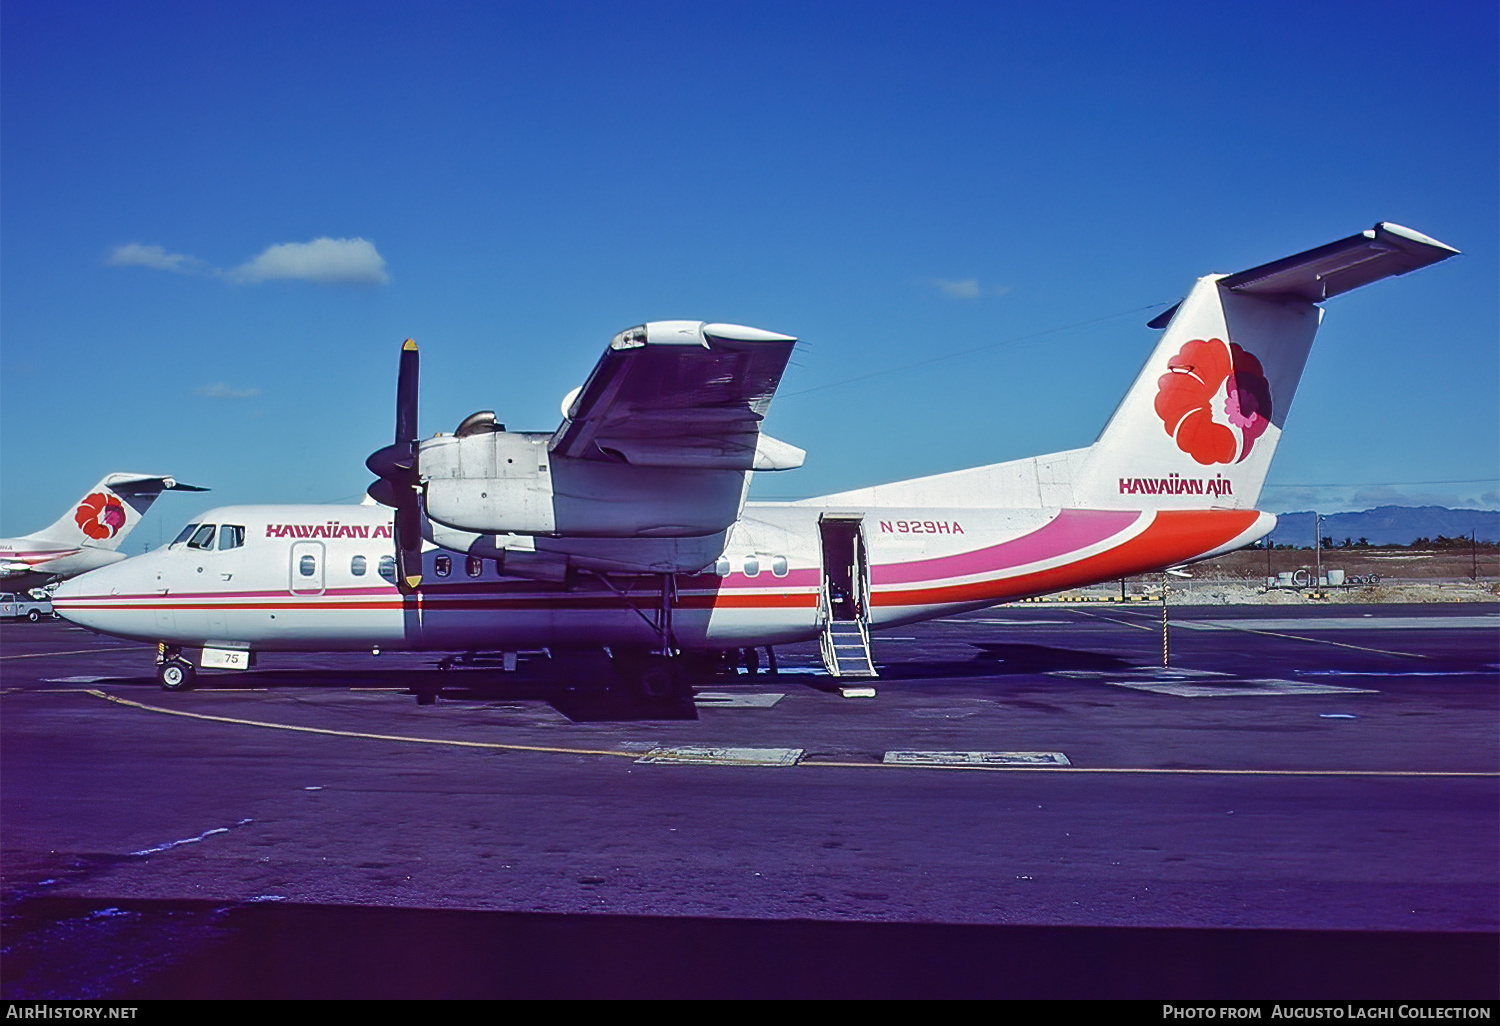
[(680, 394)]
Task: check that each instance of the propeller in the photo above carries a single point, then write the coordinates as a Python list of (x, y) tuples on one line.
[(396, 467)]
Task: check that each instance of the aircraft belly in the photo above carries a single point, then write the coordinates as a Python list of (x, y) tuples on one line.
[(699, 619), (774, 625), (530, 627)]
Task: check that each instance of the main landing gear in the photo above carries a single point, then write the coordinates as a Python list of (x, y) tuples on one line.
[(658, 674), (653, 677)]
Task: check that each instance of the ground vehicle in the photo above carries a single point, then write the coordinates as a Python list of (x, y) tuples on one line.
[(21, 606)]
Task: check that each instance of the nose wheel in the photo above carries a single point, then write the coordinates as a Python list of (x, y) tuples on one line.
[(176, 675)]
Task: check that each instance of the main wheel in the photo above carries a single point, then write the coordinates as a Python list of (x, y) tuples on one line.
[(657, 679), (176, 675), (34, 615)]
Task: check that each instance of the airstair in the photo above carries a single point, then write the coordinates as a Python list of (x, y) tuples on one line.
[(845, 600), (846, 649)]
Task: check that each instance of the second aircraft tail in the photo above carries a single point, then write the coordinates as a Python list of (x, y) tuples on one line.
[(110, 510)]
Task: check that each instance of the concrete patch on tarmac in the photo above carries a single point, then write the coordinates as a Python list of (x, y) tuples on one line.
[(1169, 673), (976, 759), (730, 700), (1238, 688), (698, 755)]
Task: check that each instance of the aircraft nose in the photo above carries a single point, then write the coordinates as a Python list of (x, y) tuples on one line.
[(91, 600), (66, 592)]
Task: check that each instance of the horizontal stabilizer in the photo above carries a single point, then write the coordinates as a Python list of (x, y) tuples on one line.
[(1380, 252), (140, 482)]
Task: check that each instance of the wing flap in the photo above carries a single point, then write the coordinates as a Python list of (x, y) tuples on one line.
[(677, 394)]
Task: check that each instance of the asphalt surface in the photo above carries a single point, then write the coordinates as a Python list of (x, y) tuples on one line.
[(1305, 805)]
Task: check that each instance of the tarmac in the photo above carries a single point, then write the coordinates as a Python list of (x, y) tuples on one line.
[(1304, 803)]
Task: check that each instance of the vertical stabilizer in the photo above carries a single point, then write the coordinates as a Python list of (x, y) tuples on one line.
[(1200, 424), (110, 510)]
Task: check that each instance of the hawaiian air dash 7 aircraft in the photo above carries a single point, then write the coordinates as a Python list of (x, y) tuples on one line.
[(627, 527), (88, 535)]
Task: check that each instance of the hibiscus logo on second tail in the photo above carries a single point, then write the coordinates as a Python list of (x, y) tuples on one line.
[(1214, 400), (100, 516)]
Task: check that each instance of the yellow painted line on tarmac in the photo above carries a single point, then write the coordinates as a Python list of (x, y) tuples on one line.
[(634, 756), (81, 651), (1270, 634), (358, 734)]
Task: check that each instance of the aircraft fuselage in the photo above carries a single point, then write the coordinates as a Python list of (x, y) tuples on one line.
[(312, 578)]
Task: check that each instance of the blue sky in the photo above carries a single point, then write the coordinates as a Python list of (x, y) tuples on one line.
[(968, 211)]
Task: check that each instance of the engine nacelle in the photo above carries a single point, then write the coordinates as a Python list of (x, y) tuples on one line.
[(552, 559), (500, 482)]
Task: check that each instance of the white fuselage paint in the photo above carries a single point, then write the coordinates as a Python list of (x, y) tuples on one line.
[(291, 585)]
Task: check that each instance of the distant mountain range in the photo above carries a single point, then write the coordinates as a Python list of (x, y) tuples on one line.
[(1390, 525)]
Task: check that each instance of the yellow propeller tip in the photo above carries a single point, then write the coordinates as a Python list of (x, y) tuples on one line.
[(409, 344)]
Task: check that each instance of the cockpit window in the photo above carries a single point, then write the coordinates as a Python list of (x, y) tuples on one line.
[(231, 536), (203, 538), (186, 533)]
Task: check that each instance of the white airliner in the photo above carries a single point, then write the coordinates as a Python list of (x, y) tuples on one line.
[(87, 536), (627, 527)]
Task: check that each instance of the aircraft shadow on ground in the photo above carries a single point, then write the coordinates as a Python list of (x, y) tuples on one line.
[(582, 701), (1006, 659), (594, 697)]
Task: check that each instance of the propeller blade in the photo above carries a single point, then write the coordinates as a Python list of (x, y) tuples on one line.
[(383, 492), (409, 543), (392, 462), (406, 395), (396, 467)]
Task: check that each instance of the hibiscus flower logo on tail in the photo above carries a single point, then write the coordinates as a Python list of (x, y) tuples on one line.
[(100, 516), (1214, 401)]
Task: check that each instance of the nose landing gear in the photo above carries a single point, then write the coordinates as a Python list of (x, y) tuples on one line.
[(173, 672)]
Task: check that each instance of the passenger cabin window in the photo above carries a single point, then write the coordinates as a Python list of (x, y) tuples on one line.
[(387, 568), (752, 566), (443, 565), (203, 538), (231, 536), (778, 566), (357, 566), (187, 532), (722, 567), (474, 566), (307, 566)]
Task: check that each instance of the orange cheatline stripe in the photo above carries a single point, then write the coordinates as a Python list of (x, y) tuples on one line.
[(1173, 536)]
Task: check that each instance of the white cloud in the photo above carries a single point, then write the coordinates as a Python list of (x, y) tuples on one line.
[(968, 288), (136, 255), (323, 260), (220, 390)]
